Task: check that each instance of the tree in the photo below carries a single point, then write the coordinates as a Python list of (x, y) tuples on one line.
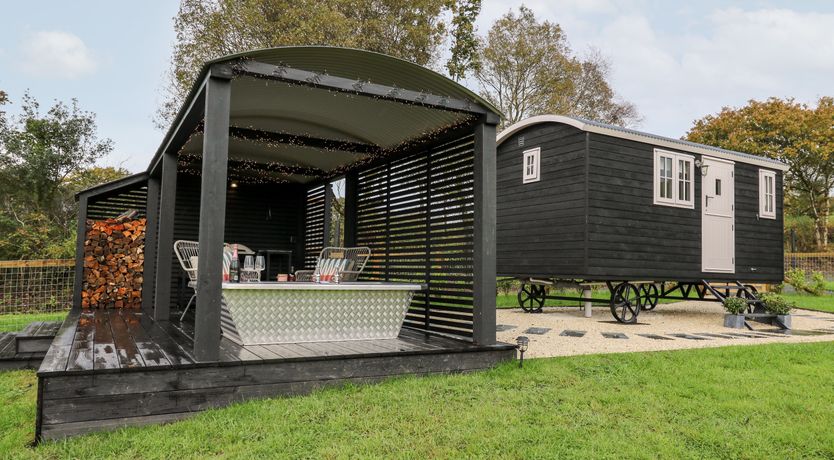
[(526, 68), (464, 50), (42, 160), (783, 129), (413, 30)]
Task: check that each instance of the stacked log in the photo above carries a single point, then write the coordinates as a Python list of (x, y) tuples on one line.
[(113, 263)]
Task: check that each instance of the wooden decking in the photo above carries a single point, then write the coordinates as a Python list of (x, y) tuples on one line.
[(26, 349), (109, 368)]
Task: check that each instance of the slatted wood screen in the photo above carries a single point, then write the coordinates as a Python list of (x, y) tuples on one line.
[(314, 226), (417, 216), (111, 205)]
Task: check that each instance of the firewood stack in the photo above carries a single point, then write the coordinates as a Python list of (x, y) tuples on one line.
[(113, 262)]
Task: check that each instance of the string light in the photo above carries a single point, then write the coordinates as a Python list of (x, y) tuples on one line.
[(264, 172)]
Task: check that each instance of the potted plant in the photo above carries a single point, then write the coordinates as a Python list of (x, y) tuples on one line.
[(735, 307), (779, 306)]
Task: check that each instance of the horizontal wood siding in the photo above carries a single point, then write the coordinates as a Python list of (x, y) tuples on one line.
[(107, 206), (541, 225), (630, 238), (759, 242), (260, 216), (416, 213)]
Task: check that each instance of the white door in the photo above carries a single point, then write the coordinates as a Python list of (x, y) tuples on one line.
[(718, 239)]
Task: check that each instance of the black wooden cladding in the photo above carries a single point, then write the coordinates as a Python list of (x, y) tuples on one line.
[(314, 224), (260, 216), (111, 205), (416, 214), (592, 217)]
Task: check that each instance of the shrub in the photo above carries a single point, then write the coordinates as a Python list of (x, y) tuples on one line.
[(797, 278), (776, 304), (735, 305)]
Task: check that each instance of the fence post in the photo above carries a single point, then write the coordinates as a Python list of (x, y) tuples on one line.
[(81, 235)]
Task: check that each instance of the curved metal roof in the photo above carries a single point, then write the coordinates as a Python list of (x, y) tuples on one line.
[(639, 136), (266, 103), (360, 65)]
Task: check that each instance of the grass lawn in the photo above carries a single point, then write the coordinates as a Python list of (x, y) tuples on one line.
[(16, 322), (809, 302), (766, 401)]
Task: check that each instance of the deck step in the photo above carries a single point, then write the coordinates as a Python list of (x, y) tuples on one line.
[(36, 337)]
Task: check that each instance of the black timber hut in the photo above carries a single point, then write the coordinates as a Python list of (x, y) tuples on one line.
[(586, 201)]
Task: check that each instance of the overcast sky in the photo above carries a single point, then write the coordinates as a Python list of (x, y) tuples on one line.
[(677, 61)]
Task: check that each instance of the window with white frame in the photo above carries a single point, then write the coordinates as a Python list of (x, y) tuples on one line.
[(532, 161), (767, 194), (674, 183)]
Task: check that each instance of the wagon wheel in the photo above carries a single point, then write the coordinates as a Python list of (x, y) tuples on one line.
[(531, 297), (649, 296), (625, 303)]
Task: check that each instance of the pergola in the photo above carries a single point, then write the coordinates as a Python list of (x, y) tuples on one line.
[(416, 150)]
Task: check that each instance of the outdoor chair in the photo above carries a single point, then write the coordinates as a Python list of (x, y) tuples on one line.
[(188, 253), (345, 264)]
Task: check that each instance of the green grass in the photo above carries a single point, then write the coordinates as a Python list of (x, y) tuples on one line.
[(16, 322), (809, 302), (766, 401)]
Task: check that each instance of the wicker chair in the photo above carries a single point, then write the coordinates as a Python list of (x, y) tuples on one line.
[(188, 253), (347, 263)]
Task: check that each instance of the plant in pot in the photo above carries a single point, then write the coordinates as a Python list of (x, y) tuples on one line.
[(735, 307), (777, 305)]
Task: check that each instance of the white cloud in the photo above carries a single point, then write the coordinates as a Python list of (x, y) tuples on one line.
[(56, 54)]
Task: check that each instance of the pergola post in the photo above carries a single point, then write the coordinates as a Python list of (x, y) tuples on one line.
[(81, 235), (165, 237), (212, 217), (328, 215), (351, 196), (483, 316), (151, 231)]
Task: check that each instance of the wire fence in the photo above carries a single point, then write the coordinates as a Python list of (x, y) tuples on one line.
[(34, 290), (822, 262)]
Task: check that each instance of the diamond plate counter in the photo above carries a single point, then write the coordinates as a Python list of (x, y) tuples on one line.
[(264, 313)]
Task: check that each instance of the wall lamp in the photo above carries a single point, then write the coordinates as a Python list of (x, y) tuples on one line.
[(700, 165)]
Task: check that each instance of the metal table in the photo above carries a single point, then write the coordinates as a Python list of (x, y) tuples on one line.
[(272, 312)]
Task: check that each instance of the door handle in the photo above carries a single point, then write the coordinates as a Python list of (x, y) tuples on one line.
[(706, 201)]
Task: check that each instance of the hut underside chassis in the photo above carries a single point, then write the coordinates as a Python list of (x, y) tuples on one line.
[(627, 299)]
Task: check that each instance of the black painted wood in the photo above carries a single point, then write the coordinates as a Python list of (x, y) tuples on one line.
[(151, 376), (81, 235), (168, 199), (212, 218), (592, 217), (483, 298), (150, 251)]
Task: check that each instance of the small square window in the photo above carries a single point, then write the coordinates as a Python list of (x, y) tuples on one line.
[(767, 194), (532, 162)]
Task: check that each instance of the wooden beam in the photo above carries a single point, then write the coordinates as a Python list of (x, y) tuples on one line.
[(351, 200), (151, 232), (304, 141), (165, 237), (328, 214), (81, 236), (195, 161), (362, 88), (483, 316), (212, 219), (114, 186)]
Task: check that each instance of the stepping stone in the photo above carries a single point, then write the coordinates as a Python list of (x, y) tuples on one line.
[(572, 333), (504, 327), (537, 330), (655, 337), (690, 337), (717, 336), (747, 335), (614, 335)]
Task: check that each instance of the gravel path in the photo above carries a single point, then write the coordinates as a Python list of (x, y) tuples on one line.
[(692, 321)]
